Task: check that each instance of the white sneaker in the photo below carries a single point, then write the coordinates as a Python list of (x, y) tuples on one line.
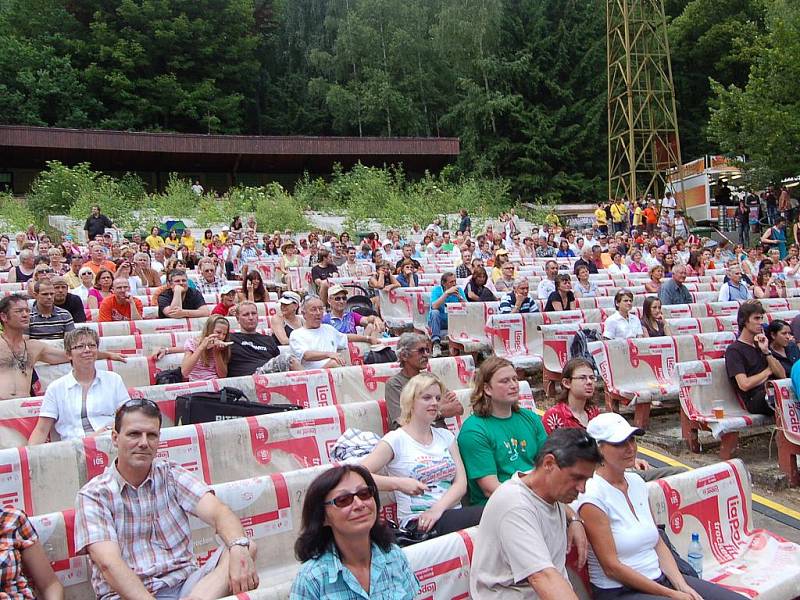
[(437, 350)]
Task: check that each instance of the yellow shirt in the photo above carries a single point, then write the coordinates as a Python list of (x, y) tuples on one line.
[(617, 212), (600, 216), (156, 242), (637, 217), (188, 242)]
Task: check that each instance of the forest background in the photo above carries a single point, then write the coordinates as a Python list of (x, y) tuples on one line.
[(522, 83)]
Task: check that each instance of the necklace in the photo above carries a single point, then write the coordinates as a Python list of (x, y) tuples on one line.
[(21, 360)]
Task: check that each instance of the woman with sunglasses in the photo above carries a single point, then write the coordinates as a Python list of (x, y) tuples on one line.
[(423, 464), (346, 549), (83, 402), (628, 560), (575, 406)]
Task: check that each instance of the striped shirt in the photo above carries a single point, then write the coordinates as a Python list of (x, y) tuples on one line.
[(150, 523), (50, 327)]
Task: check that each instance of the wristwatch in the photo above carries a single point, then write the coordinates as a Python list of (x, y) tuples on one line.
[(242, 541), (571, 520)]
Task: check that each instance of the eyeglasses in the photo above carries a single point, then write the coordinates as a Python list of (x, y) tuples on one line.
[(339, 298), (87, 346), (346, 500), (591, 378)]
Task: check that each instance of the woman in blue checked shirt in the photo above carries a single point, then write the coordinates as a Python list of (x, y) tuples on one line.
[(347, 552)]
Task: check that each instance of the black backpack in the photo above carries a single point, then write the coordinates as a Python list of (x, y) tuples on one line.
[(579, 346)]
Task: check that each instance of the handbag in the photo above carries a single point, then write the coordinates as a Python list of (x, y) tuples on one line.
[(384, 355), (167, 376), (410, 535), (228, 403)]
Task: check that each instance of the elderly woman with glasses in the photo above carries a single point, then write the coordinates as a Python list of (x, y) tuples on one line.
[(346, 549), (81, 403), (628, 560)]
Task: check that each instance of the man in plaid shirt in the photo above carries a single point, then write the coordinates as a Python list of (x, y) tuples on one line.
[(133, 522)]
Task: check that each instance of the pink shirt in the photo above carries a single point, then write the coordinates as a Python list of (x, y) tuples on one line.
[(200, 372)]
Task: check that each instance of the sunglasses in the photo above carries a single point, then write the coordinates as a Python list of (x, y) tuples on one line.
[(345, 500), (138, 403)]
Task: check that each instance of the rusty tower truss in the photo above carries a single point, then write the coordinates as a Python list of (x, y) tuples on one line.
[(643, 141)]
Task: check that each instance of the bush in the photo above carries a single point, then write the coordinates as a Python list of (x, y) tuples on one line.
[(275, 208), (56, 189), (123, 200), (14, 214)]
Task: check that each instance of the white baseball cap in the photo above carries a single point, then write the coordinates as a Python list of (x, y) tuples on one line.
[(227, 289), (611, 428)]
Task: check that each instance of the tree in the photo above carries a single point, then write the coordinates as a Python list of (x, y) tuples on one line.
[(761, 120)]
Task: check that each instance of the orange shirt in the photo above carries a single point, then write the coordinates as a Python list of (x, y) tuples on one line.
[(111, 310), (650, 215), (106, 264)]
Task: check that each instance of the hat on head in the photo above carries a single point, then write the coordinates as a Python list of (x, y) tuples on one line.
[(501, 251), (336, 289), (386, 243), (286, 245), (226, 228), (611, 428), (227, 289), (289, 298)]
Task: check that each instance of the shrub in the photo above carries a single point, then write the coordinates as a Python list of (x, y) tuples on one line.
[(14, 214), (58, 188)]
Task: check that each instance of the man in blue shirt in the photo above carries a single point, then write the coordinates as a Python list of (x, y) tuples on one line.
[(734, 288), (446, 293)]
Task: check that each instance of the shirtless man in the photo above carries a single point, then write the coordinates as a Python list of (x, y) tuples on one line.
[(18, 355)]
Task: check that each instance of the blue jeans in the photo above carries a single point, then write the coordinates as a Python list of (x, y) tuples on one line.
[(436, 322)]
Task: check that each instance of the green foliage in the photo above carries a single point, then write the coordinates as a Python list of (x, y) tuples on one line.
[(710, 38), (368, 194), (14, 213), (58, 187), (761, 119), (522, 83)]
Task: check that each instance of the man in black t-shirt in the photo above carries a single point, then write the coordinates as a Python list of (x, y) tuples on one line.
[(67, 301), (321, 272), (96, 224), (252, 350), (181, 301), (749, 362)]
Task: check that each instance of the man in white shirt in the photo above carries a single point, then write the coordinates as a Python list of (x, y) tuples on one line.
[(64, 406), (316, 344), (668, 202), (548, 285), (525, 525)]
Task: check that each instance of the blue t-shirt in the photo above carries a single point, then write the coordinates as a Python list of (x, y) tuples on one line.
[(437, 293)]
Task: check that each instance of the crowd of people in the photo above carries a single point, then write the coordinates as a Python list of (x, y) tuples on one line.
[(570, 478)]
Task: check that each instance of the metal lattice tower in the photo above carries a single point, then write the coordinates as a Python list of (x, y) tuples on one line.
[(643, 140)]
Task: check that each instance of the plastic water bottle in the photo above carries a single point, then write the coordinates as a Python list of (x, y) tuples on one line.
[(695, 556)]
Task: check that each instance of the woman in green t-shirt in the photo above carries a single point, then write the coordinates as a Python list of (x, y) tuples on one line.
[(500, 437)]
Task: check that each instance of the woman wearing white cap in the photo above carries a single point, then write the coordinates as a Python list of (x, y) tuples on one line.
[(628, 560), (287, 320)]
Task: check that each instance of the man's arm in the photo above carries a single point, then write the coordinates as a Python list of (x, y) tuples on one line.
[(119, 576), (136, 309), (550, 585), (242, 575)]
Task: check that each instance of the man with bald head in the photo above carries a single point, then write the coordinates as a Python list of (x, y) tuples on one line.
[(316, 344)]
